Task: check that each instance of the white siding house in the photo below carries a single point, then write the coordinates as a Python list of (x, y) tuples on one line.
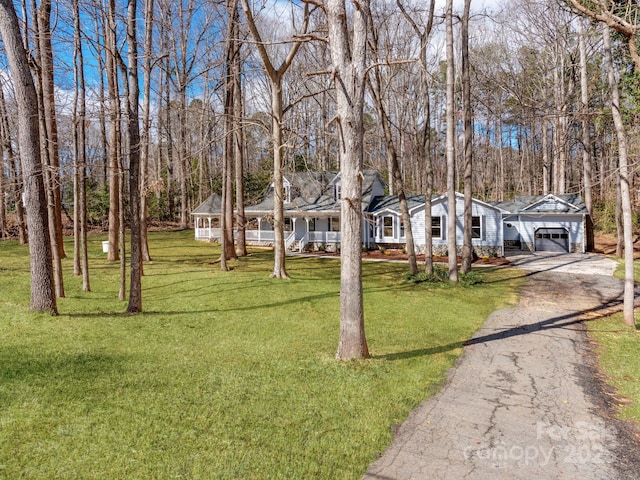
[(555, 223), (487, 226), (312, 218)]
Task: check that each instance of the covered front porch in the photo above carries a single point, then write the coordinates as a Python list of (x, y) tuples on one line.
[(301, 232)]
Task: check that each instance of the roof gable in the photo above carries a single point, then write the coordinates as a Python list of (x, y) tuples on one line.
[(213, 204), (541, 204), (553, 204), (442, 198)]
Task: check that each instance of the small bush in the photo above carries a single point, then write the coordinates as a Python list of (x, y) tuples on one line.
[(441, 275)]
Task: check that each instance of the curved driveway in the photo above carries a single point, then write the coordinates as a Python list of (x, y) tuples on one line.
[(524, 400)]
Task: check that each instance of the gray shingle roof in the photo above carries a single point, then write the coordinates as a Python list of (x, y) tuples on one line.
[(392, 202), (213, 204), (311, 192), (569, 203)]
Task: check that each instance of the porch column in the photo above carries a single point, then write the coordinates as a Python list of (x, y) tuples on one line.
[(259, 228)]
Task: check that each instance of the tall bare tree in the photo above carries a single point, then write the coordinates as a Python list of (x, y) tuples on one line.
[(3, 195), (229, 146), (424, 133), (348, 45), (80, 227), (111, 52), (275, 76), (43, 71), (467, 243), (238, 135), (43, 296), (147, 67), (624, 172), (133, 149), (450, 147), (14, 174), (377, 88)]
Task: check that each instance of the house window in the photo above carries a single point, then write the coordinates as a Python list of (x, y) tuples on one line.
[(287, 193), (476, 227), (338, 191), (334, 224), (436, 227), (312, 225), (387, 226), (401, 229), (288, 224)]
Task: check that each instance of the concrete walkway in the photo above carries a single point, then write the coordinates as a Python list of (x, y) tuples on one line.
[(523, 401)]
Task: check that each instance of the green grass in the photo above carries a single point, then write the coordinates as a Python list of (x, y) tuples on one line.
[(619, 273), (226, 375), (618, 348)]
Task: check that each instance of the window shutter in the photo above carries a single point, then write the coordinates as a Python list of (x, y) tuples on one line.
[(483, 227)]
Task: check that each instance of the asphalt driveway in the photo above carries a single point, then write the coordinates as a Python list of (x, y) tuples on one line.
[(525, 399), (580, 263)]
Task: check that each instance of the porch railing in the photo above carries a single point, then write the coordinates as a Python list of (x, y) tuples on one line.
[(289, 240), (303, 242)]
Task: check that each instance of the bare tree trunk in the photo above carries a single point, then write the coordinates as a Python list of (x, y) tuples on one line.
[(625, 199), (51, 125), (230, 134), (43, 296), (450, 148), (133, 144), (146, 126), (81, 260), (42, 61), (392, 158), (275, 84), (15, 177), (14, 174), (545, 157), (467, 245), (114, 135), (424, 140), (586, 124), (184, 156), (3, 204), (238, 114), (348, 55)]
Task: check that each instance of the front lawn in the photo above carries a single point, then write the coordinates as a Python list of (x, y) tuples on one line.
[(618, 347), (226, 375)]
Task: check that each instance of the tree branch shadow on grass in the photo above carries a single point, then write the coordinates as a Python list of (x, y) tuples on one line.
[(562, 321)]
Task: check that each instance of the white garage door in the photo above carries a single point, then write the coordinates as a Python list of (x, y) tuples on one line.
[(552, 240)]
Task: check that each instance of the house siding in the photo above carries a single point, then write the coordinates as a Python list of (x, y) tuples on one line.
[(490, 243)]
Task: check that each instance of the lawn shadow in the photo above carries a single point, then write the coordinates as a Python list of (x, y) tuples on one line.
[(45, 369), (561, 321)]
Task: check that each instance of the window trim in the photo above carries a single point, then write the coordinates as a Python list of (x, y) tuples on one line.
[(438, 227), (476, 230), (384, 226)]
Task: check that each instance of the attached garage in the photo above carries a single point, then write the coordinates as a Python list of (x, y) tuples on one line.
[(552, 240), (550, 223)]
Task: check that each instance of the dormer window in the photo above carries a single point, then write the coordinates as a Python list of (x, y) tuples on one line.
[(286, 190), (338, 190)]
